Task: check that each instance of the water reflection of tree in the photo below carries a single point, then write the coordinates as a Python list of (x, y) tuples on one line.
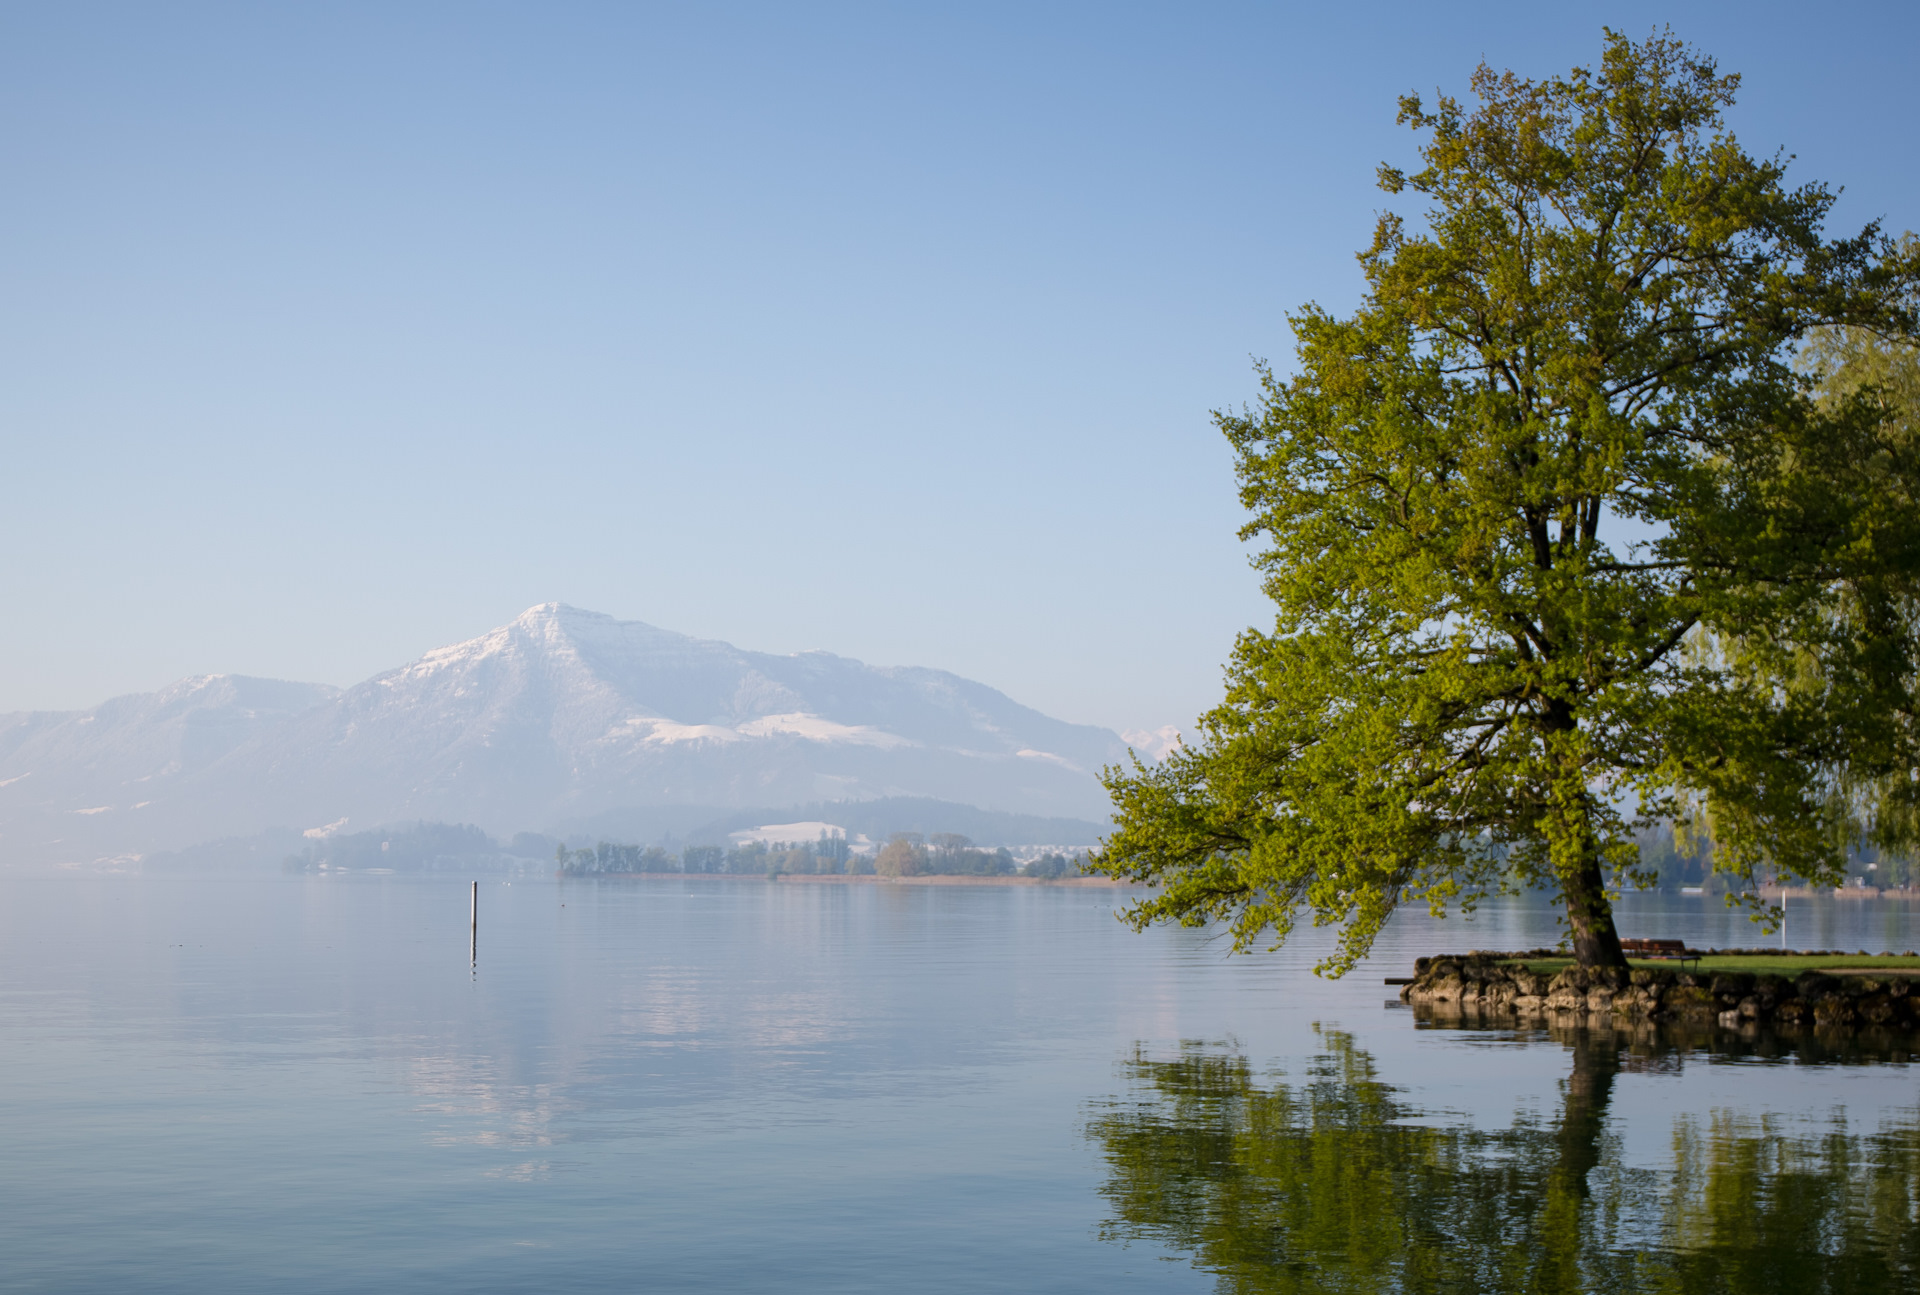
[(1330, 1186)]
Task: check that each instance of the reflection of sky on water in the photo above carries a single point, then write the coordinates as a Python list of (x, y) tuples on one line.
[(807, 1087)]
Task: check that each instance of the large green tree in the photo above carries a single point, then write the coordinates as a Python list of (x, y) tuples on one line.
[(1852, 364), (1562, 539)]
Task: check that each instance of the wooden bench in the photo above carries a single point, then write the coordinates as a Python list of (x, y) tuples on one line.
[(1675, 950)]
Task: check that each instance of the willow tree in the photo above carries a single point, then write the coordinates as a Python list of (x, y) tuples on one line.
[(1562, 541)]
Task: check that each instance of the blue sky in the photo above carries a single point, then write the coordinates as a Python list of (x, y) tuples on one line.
[(333, 333)]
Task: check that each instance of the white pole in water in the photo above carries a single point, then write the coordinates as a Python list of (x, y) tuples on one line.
[(1783, 916), (473, 928)]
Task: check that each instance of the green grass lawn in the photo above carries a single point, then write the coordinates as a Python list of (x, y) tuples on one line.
[(1790, 964)]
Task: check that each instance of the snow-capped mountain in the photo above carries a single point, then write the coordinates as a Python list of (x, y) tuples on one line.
[(561, 715), (1154, 743)]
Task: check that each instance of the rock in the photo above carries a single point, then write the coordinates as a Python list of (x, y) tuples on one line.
[(1832, 1010), (1566, 999), (1445, 989), (1628, 1000), (1689, 1000), (1492, 986), (1812, 985), (1876, 1009)]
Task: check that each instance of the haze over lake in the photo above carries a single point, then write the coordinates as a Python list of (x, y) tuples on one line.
[(301, 1084)]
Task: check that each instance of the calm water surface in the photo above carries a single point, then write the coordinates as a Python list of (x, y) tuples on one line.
[(300, 1084)]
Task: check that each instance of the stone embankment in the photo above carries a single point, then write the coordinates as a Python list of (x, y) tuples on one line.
[(1500, 986)]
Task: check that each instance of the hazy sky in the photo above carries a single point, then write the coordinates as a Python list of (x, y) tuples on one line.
[(333, 333)]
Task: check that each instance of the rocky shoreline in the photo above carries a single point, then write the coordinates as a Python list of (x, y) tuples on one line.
[(1500, 986)]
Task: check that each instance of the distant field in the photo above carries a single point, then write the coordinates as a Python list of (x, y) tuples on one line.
[(1787, 964)]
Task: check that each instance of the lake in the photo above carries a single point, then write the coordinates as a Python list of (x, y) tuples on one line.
[(301, 1084)]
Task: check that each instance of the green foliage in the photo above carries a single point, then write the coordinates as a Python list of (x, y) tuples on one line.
[(1337, 1185), (951, 854), (751, 858), (703, 858), (1052, 866), (610, 857), (1669, 860), (1860, 368), (829, 854), (904, 856), (1553, 527), (945, 854)]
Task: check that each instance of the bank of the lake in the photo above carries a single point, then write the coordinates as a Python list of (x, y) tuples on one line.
[(1740, 989)]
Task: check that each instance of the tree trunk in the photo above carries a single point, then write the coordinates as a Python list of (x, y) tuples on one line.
[(1590, 917), (1596, 1060)]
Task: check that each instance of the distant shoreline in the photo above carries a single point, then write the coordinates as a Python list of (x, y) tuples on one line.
[(1840, 892), (850, 879)]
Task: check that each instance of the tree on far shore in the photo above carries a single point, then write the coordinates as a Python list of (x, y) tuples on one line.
[(1561, 540), (903, 856)]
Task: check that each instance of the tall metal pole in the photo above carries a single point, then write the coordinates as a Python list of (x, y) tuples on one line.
[(473, 928)]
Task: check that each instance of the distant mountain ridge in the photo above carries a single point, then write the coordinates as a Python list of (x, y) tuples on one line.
[(559, 717)]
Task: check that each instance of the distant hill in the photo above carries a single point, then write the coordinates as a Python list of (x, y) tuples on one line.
[(558, 721), (395, 847), (132, 773)]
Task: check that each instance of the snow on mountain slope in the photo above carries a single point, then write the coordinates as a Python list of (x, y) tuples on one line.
[(557, 716), (1154, 744), (78, 784)]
